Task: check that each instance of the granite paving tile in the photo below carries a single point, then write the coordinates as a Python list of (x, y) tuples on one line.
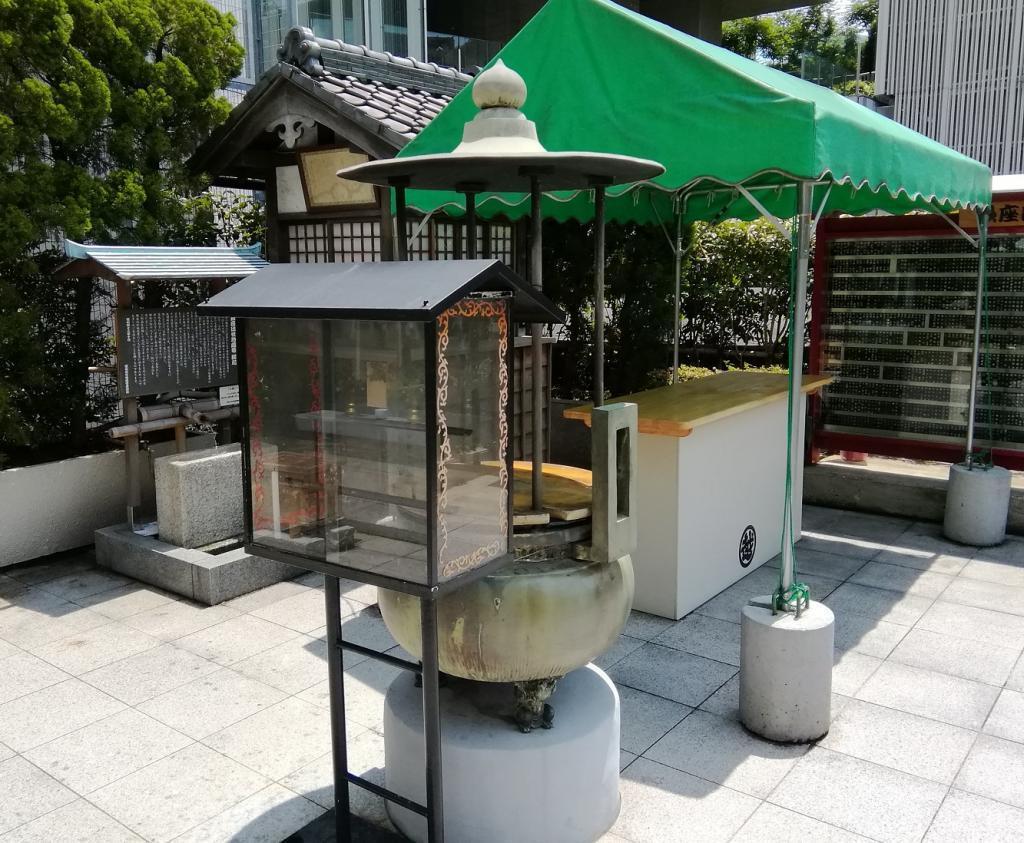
[(645, 718), (720, 749), (77, 822), (23, 673), (772, 824), (315, 780), (365, 686), (986, 595), (271, 594), (176, 620), (850, 670), (1007, 717), (939, 696), (40, 572), (1002, 564), (867, 635), (856, 550), (625, 759), (1015, 680), (995, 769), (128, 600), (924, 547), (968, 818), (859, 796), (726, 700), (96, 647), (644, 626), (902, 579), (905, 742), (878, 603), (961, 657), (34, 626), (656, 798), (278, 740), (297, 664), (148, 674), (829, 563), (366, 627), (211, 703), (672, 674), (704, 636), (623, 646), (174, 794), (304, 611), (106, 750), (5, 752), (882, 529), (7, 649), (984, 625), (26, 792), (43, 715), (235, 639), (81, 584), (268, 816)]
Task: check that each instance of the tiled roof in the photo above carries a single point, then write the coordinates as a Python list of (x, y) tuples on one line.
[(138, 263), (401, 94)]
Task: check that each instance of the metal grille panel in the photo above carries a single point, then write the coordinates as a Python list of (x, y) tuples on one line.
[(898, 339)]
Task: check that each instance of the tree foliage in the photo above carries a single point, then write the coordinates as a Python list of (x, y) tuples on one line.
[(736, 290), (101, 103), (783, 39)]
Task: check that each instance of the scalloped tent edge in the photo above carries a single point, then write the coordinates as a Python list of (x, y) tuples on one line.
[(627, 84)]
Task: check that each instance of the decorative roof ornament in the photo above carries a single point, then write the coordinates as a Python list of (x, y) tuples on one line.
[(499, 128)]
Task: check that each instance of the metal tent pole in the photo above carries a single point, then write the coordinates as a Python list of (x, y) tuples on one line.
[(470, 235), (598, 395), (537, 349), (976, 349), (796, 367), (336, 682), (678, 274), (402, 235)]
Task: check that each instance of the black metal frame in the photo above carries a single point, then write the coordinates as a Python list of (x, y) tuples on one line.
[(428, 669)]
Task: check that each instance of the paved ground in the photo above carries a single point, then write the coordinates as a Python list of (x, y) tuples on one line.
[(126, 713)]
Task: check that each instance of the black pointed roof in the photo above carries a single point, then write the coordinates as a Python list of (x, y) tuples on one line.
[(416, 291)]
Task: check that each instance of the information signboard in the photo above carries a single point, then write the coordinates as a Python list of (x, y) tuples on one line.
[(172, 349)]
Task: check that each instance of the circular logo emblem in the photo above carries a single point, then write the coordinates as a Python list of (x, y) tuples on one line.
[(748, 543)]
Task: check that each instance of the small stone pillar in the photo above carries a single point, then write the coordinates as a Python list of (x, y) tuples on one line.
[(786, 671), (977, 503)]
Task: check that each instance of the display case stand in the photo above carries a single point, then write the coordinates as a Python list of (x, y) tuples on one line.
[(428, 672)]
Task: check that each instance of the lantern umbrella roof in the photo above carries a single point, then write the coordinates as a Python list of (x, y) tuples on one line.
[(415, 291), (725, 127)]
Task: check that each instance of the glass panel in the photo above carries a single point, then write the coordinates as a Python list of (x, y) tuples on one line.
[(338, 442), (472, 395), (394, 22)]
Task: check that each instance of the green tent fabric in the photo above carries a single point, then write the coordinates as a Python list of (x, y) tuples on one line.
[(603, 78)]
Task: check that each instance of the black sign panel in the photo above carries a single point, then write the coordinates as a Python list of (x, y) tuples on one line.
[(172, 349)]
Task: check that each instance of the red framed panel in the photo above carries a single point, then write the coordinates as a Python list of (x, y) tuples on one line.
[(1007, 217)]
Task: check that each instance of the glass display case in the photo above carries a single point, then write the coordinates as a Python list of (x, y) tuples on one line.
[(377, 440)]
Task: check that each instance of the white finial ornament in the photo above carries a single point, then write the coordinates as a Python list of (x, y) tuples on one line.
[(499, 87)]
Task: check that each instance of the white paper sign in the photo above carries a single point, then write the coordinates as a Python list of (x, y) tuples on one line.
[(228, 395)]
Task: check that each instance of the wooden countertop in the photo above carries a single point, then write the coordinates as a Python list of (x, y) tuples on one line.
[(677, 409)]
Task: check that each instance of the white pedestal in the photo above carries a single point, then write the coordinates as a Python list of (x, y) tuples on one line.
[(699, 494), (977, 504), (558, 785), (786, 672)]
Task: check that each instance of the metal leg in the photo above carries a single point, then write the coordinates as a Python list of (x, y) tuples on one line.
[(432, 722), (336, 681), (979, 302)]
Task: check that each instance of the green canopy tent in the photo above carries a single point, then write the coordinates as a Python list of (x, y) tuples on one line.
[(737, 139)]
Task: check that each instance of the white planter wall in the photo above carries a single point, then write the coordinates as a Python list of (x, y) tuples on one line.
[(58, 506)]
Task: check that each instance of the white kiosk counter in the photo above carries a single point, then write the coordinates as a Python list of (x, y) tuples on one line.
[(712, 483)]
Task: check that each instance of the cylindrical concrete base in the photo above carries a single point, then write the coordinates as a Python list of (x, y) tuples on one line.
[(977, 504), (786, 672), (559, 785)]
